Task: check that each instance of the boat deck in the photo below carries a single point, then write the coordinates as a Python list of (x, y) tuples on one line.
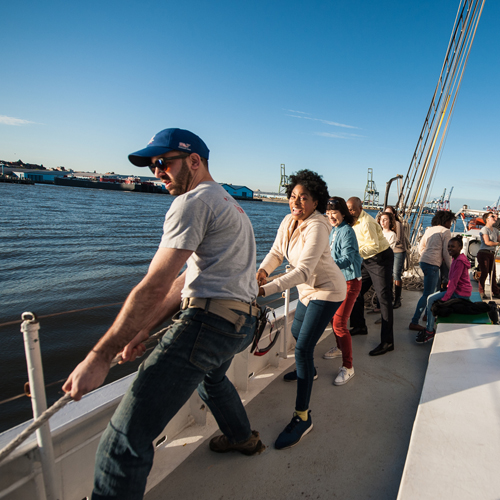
[(357, 448)]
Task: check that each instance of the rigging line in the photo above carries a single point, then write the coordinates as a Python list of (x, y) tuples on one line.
[(458, 38), (463, 48), (456, 83), (17, 321)]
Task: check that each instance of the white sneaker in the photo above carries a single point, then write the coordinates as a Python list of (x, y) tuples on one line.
[(345, 374), (334, 352)]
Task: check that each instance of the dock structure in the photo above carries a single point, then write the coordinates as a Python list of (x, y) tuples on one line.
[(283, 180), (370, 198)]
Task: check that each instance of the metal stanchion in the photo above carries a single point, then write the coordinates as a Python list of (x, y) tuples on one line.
[(284, 337), (29, 328)]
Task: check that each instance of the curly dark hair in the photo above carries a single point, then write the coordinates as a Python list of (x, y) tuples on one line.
[(392, 220), (314, 183), (442, 217), (338, 203), (458, 239)]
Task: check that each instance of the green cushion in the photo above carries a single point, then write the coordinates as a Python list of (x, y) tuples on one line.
[(475, 319)]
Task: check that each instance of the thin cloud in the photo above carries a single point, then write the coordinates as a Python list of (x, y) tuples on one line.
[(327, 122), (339, 136), (17, 122), (299, 112)]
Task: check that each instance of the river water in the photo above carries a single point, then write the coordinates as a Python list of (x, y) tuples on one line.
[(65, 248)]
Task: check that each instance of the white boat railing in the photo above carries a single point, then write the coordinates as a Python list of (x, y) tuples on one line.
[(60, 464)]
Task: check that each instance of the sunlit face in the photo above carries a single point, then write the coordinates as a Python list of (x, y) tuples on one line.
[(176, 176), (454, 249), (492, 218), (301, 203), (385, 222), (355, 209), (335, 217)]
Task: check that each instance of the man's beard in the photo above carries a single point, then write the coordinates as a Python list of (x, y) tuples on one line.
[(180, 186)]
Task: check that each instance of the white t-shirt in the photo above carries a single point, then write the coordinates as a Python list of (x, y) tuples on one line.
[(390, 236), (209, 221)]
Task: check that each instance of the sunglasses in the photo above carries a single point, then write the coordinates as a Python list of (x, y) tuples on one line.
[(163, 163), (332, 205)]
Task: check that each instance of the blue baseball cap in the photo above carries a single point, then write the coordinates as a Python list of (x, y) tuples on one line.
[(170, 139)]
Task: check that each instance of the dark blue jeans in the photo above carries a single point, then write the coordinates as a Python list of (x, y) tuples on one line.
[(307, 327), (195, 352), (431, 280), (431, 321), (399, 262)]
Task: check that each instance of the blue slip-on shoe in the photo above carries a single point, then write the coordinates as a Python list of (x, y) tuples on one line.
[(294, 432)]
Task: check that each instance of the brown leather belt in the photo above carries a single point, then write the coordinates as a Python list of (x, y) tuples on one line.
[(224, 308)]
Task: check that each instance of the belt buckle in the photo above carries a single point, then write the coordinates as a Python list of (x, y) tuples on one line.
[(184, 303)]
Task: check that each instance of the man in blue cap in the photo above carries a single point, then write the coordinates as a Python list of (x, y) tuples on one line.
[(214, 320)]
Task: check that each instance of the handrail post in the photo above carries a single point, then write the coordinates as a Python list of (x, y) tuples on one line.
[(284, 341), (29, 328)]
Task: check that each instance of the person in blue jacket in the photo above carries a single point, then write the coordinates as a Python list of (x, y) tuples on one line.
[(345, 253)]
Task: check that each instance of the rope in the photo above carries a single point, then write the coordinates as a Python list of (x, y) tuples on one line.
[(58, 405), (34, 426), (61, 403), (17, 321)]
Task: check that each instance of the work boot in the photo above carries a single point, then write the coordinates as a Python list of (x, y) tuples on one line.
[(252, 446)]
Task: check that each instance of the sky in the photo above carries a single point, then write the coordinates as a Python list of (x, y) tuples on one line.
[(333, 86)]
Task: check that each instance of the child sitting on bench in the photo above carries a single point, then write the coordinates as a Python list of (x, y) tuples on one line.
[(459, 286)]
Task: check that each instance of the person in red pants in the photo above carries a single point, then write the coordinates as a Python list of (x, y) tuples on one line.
[(345, 252)]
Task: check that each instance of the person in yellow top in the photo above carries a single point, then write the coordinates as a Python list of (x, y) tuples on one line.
[(376, 270)]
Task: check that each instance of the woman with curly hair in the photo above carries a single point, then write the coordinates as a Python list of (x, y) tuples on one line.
[(303, 239), (433, 249), (399, 250)]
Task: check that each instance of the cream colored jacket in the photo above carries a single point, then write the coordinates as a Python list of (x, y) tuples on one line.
[(307, 249), (433, 246)]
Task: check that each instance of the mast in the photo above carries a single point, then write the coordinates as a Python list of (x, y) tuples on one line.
[(425, 158)]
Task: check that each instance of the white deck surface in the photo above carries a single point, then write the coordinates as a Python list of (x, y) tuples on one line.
[(454, 451)]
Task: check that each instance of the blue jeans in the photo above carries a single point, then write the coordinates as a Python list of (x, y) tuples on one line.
[(196, 351), (308, 325), (399, 261), (431, 280), (432, 298)]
